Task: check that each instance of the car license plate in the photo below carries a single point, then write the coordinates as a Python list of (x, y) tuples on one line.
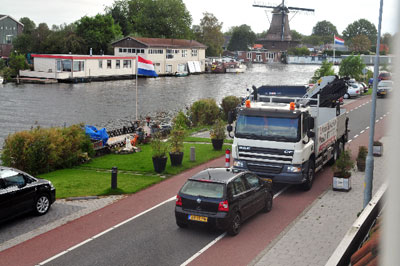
[(198, 218), (383, 92)]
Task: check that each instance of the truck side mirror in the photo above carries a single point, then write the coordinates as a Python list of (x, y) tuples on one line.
[(310, 134), (311, 122), (229, 128), (230, 117)]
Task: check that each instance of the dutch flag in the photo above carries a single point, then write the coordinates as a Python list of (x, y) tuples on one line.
[(145, 67), (338, 40)]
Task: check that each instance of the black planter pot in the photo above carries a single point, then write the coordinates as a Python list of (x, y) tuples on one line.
[(176, 158), (217, 144), (159, 163), (361, 165)]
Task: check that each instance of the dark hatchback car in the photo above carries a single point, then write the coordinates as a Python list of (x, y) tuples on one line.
[(21, 193), (222, 198)]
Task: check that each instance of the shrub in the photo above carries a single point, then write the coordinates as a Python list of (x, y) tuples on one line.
[(362, 153), (343, 165), (43, 150), (204, 112), (175, 140), (229, 103), (158, 146), (181, 120), (218, 130)]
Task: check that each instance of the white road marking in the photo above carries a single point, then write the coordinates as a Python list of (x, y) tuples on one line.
[(367, 127), (362, 131), (201, 251), (377, 121), (104, 232), (349, 141), (356, 136)]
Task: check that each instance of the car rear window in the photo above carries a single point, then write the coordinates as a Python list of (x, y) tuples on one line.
[(203, 189)]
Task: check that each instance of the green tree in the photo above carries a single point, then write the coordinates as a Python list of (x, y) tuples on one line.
[(324, 28), (98, 32), (360, 43), (23, 43), (119, 11), (17, 62), (360, 27), (352, 67), (313, 40), (325, 70), (210, 34), (242, 38), (29, 25), (296, 36), (299, 51)]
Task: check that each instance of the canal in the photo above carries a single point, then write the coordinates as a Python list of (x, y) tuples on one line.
[(111, 104)]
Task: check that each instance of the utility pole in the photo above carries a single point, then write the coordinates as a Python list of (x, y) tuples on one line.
[(369, 168)]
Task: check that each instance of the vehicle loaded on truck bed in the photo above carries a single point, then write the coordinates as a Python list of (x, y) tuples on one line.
[(288, 138)]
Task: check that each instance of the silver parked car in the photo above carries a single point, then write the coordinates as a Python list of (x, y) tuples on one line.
[(353, 90), (384, 87)]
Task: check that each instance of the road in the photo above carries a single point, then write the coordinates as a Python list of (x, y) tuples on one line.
[(152, 238)]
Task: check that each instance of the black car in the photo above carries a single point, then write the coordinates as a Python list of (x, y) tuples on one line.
[(21, 193), (223, 198)]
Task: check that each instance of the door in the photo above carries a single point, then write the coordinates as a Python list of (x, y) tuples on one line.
[(5, 201), (258, 195), (242, 197), (21, 194)]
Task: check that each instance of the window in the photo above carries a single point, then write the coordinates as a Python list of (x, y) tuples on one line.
[(252, 180), (142, 51), (100, 63), (194, 52), (117, 64), (109, 64), (134, 51), (184, 53), (124, 50), (79, 66), (203, 189), (15, 180), (248, 55), (120, 50), (127, 64), (168, 68), (59, 69), (9, 39), (129, 51), (66, 65), (238, 186)]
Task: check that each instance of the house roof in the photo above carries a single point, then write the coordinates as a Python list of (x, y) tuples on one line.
[(159, 42), (7, 16)]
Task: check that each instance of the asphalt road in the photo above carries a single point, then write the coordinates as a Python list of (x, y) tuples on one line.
[(154, 238)]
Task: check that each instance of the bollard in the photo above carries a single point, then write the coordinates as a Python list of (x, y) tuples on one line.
[(227, 158), (114, 173), (192, 154)]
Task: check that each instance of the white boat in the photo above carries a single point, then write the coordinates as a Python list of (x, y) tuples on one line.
[(235, 68)]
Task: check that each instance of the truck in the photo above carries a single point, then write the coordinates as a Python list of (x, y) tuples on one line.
[(288, 133)]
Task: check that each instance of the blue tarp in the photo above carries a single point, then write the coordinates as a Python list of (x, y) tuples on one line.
[(97, 134)]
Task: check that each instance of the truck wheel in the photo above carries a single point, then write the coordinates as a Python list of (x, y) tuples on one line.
[(310, 176)]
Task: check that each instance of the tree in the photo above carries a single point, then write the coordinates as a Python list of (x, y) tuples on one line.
[(360, 27), (210, 34), (17, 62), (242, 38), (352, 67), (325, 70), (29, 25), (360, 43), (296, 36), (98, 32), (313, 40), (324, 28), (299, 51), (152, 18)]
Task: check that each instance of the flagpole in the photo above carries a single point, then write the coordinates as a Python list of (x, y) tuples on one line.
[(333, 48), (136, 87)]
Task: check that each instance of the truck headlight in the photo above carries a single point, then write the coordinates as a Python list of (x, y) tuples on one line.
[(237, 163), (293, 168)]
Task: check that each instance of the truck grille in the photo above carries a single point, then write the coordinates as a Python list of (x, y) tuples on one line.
[(265, 168), (265, 154)]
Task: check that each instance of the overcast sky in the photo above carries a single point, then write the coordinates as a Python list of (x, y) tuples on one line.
[(231, 12)]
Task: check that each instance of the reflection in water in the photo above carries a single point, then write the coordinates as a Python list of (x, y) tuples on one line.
[(101, 103)]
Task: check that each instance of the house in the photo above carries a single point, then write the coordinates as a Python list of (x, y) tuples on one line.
[(9, 29), (80, 68), (258, 54), (169, 56)]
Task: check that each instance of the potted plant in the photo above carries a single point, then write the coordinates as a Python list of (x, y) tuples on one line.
[(377, 148), (159, 151), (342, 171), (361, 157), (176, 145), (217, 134)]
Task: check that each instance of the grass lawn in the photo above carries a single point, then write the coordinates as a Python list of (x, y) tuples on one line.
[(369, 92), (135, 172), (142, 162), (81, 182)]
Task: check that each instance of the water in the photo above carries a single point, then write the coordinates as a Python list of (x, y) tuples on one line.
[(111, 103)]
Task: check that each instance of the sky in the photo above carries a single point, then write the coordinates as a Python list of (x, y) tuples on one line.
[(340, 13)]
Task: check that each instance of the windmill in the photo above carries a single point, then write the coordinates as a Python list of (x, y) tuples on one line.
[(279, 29)]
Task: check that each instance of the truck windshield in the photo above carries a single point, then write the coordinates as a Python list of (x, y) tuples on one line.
[(268, 128)]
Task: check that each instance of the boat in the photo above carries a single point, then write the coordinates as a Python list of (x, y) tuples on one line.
[(235, 67), (181, 74), (1, 80)]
